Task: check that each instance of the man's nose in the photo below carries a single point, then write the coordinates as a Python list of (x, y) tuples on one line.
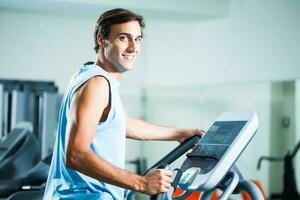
[(133, 46)]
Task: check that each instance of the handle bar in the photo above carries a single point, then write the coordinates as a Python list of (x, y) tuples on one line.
[(177, 152)]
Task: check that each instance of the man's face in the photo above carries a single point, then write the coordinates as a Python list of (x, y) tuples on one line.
[(123, 45)]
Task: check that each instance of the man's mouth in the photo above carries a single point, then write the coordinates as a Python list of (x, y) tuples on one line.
[(128, 57)]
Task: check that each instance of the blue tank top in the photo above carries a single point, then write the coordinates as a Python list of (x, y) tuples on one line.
[(108, 143)]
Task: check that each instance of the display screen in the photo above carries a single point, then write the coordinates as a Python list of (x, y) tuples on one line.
[(216, 141), (223, 132)]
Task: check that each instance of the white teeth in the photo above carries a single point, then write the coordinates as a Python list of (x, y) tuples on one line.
[(130, 57)]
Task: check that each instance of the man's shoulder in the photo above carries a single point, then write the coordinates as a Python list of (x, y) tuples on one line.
[(97, 82)]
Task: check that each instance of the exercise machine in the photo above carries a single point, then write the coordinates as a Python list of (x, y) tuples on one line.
[(19, 160), (19, 152), (289, 179), (20, 168), (211, 164), (32, 101), (30, 186), (25, 146)]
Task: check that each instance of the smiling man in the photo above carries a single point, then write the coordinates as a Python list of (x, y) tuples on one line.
[(89, 153)]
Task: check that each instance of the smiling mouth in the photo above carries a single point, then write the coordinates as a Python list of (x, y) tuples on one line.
[(128, 57)]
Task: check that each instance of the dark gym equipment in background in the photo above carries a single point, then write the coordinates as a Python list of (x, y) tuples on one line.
[(27, 134), (32, 101), (289, 180)]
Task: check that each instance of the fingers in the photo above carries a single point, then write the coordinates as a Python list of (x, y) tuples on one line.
[(164, 175), (161, 172), (166, 180), (159, 180), (200, 132), (166, 172), (165, 187), (187, 133)]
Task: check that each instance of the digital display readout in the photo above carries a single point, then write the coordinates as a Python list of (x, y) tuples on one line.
[(223, 132)]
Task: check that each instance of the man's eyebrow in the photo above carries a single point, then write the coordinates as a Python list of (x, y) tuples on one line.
[(129, 35)]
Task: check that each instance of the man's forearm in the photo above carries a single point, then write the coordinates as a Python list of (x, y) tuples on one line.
[(96, 167), (141, 130)]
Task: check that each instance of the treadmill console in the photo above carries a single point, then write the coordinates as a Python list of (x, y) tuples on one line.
[(218, 150)]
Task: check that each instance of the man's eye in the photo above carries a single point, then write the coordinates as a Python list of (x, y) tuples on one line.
[(123, 38), (138, 39)]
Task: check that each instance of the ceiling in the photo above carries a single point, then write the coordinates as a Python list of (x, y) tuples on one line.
[(166, 9)]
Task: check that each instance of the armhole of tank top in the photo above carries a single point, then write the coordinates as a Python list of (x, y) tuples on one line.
[(109, 89), (109, 100)]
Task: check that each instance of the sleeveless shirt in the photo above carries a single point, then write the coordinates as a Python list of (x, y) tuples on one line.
[(108, 143)]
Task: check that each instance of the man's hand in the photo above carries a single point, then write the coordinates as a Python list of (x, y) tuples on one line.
[(157, 181), (187, 133)]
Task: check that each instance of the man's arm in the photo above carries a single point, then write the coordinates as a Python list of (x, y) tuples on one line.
[(142, 130), (86, 110)]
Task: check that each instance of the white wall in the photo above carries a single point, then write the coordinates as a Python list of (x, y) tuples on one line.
[(1, 102), (258, 41), (297, 134), (43, 46)]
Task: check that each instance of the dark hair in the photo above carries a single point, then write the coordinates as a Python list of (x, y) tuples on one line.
[(112, 17)]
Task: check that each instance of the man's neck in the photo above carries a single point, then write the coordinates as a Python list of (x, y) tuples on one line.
[(107, 67)]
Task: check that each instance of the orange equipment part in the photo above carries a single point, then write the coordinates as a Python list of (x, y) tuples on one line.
[(194, 195), (246, 196)]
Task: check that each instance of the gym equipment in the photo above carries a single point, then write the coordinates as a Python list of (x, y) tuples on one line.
[(169, 158), (289, 179), (19, 152), (31, 183), (24, 149), (29, 195), (33, 101), (212, 158), (210, 165), (19, 166)]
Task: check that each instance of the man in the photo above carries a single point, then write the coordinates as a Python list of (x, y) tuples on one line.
[(89, 154)]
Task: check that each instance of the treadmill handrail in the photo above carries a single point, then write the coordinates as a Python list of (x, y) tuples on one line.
[(170, 157), (177, 152)]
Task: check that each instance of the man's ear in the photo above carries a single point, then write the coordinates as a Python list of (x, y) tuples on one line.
[(101, 41)]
